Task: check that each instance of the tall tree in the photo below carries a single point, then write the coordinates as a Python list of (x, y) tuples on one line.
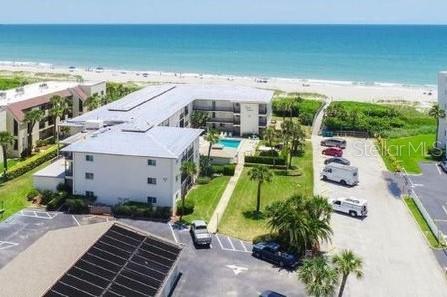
[(319, 278), (297, 136), (188, 169), (260, 174), (32, 117), (212, 137), (199, 119), (58, 108), (6, 140), (302, 221), (93, 102), (437, 113), (270, 137), (346, 263)]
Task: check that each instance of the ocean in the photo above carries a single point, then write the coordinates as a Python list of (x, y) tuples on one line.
[(358, 53)]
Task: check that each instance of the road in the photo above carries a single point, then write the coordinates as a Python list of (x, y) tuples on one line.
[(397, 260)]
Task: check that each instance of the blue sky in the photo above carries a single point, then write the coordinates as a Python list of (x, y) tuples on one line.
[(225, 11)]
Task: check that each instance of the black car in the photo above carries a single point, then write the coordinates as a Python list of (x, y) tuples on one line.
[(269, 293), (338, 160), (270, 251)]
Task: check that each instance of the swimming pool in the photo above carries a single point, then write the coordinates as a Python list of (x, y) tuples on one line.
[(229, 143)]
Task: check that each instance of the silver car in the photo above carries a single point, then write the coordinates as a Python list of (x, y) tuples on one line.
[(199, 233)]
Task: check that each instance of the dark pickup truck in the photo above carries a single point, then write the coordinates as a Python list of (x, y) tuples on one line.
[(270, 251)]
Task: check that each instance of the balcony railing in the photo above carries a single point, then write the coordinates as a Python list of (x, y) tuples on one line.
[(216, 108), (262, 123), (221, 120), (262, 110)]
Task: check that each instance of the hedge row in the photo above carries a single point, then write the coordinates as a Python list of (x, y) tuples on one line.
[(141, 210), (227, 170), (31, 163), (265, 160)]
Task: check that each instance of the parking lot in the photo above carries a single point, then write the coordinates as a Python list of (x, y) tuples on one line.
[(225, 269), (430, 188), (397, 260)]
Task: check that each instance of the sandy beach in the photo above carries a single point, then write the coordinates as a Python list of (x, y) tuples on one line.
[(422, 96)]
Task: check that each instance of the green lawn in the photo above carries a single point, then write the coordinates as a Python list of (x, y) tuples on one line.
[(11, 163), (409, 151), (206, 198), (11, 82), (238, 219), (13, 192), (431, 238)]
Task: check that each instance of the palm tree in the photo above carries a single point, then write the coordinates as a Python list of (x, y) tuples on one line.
[(189, 170), (6, 139), (297, 136), (270, 137), (346, 263), (59, 107), (212, 137), (260, 174), (437, 113), (32, 117), (93, 102), (302, 221), (319, 278), (199, 119)]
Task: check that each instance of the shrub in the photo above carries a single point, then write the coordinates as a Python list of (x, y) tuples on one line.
[(31, 163), (57, 201), (227, 170), (76, 206), (265, 160), (269, 153), (189, 207), (135, 209), (32, 194), (203, 180), (47, 196)]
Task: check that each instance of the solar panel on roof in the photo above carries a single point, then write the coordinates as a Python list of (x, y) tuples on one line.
[(121, 263)]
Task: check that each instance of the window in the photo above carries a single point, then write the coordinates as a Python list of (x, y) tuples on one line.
[(89, 194), (81, 106), (152, 180), (16, 144), (16, 128), (151, 162), (151, 200), (89, 158), (89, 175)]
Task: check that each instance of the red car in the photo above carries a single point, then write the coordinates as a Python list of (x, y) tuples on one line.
[(333, 151)]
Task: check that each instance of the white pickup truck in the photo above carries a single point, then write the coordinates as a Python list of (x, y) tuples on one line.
[(351, 206)]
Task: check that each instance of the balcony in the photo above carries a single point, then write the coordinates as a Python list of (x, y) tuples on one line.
[(262, 109), (68, 155), (221, 120), (262, 122), (215, 108)]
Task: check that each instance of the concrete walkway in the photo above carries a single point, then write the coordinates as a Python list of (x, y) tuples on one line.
[(246, 146)]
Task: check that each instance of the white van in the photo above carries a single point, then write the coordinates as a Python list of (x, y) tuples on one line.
[(352, 206), (343, 174)]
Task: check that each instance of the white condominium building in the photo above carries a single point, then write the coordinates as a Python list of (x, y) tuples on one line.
[(442, 101), (132, 149), (15, 103)]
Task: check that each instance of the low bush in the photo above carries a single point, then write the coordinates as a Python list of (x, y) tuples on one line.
[(31, 163), (76, 205), (304, 109), (227, 170), (270, 153), (57, 201), (32, 194), (265, 160), (135, 209), (46, 197), (203, 180), (188, 209)]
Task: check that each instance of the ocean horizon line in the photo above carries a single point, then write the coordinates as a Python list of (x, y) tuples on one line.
[(230, 24)]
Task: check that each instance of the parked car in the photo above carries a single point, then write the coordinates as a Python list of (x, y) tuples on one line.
[(337, 160), (270, 251), (352, 206), (345, 175), (443, 165), (199, 233), (334, 142), (269, 293), (333, 151)]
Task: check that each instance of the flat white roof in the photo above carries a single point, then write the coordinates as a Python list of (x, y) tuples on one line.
[(154, 104), (55, 169), (34, 90), (158, 142)]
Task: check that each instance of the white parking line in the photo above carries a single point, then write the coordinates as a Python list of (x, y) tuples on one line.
[(6, 244), (445, 210), (243, 246), (76, 221), (220, 243), (173, 233), (231, 243), (37, 214), (437, 167)]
